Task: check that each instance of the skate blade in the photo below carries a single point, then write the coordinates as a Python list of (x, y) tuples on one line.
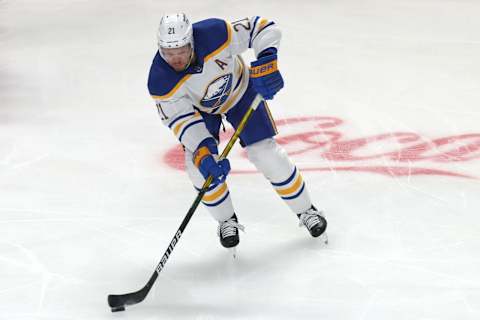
[(324, 238), (233, 252)]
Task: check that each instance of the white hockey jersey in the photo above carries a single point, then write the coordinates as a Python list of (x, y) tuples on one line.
[(216, 80)]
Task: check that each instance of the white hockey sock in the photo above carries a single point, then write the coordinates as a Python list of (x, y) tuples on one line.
[(272, 160), (217, 199)]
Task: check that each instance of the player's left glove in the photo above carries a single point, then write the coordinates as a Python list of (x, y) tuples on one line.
[(204, 159), (266, 78)]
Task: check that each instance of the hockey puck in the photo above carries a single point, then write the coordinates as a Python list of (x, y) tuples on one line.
[(119, 308)]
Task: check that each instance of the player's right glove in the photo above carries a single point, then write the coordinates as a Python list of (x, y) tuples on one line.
[(266, 78), (205, 161)]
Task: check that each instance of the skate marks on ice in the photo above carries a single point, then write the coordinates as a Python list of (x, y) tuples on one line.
[(323, 238), (322, 146)]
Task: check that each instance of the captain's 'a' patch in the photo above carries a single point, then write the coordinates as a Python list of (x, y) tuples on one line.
[(221, 64)]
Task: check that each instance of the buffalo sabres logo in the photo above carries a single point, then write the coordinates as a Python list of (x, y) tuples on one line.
[(217, 92)]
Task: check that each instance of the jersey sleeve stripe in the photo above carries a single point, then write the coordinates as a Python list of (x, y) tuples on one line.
[(224, 45), (188, 126), (185, 122), (179, 118), (181, 124), (260, 30), (263, 22), (253, 29), (172, 92)]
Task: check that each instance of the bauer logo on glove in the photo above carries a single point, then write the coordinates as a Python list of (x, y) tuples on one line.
[(263, 69), (264, 74)]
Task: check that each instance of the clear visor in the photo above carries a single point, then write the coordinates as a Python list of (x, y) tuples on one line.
[(183, 51)]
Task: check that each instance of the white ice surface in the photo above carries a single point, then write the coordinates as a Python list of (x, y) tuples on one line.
[(87, 205)]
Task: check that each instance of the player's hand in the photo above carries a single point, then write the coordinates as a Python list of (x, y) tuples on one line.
[(217, 169), (205, 161), (266, 78)]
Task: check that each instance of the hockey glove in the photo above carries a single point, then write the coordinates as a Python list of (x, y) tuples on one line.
[(266, 78), (206, 163)]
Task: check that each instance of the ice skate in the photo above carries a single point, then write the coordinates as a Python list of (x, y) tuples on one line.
[(228, 233), (315, 223)]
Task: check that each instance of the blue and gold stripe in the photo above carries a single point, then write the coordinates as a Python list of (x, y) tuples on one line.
[(290, 188), (259, 24), (215, 195), (183, 116), (181, 124), (253, 29)]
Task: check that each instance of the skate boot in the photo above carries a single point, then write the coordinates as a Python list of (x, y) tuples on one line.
[(228, 232), (314, 221)]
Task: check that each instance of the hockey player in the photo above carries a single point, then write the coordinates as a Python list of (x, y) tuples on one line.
[(198, 76)]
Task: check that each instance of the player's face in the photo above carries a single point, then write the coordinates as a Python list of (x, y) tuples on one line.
[(178, 58)]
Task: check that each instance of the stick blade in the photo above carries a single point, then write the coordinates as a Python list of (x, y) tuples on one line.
[(117, 302), (117, 309)]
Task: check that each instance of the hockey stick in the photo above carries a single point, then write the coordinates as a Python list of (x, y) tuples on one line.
[(118, 302)]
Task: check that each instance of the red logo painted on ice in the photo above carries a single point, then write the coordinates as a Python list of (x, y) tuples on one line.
[(316, 144)]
